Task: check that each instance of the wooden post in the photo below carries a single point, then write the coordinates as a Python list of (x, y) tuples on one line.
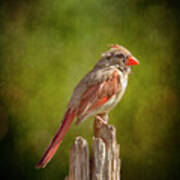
[(104, 163), (79, 160)]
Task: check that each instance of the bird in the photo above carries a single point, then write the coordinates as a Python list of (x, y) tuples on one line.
[(95, 95)]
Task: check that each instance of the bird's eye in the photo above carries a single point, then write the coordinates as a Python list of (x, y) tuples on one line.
[(124, 60), (119, 55)]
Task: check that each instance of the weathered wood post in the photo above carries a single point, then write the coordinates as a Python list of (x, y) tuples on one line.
[(104, 162)]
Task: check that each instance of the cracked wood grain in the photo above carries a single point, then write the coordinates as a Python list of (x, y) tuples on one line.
[(104, 163)]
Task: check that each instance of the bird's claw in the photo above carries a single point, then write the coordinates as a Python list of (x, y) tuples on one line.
[(103, 123)]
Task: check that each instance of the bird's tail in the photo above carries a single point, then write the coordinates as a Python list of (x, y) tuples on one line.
[(57, 139)]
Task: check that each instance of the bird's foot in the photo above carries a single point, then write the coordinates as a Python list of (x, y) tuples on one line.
[(103, 122)]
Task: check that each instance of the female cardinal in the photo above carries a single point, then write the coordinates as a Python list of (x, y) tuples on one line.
[(96, 94)]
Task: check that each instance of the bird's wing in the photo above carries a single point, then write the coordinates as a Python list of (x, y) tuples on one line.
[(98, 94)]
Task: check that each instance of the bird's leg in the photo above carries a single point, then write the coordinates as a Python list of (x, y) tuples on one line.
[(100, 122), (103, 118)]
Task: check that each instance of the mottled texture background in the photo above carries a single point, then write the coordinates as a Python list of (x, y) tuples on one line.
[(47, 46)]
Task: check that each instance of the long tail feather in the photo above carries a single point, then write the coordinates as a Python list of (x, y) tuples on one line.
[(57, 139)]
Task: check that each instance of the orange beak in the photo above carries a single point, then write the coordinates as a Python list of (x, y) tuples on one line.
[(131, 61)]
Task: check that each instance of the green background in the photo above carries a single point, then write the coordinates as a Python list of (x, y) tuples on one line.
[(47, 46)]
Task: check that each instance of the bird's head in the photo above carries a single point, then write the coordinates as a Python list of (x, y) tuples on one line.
[(119, 57)]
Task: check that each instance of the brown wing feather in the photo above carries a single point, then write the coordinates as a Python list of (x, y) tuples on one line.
[(97, 95)]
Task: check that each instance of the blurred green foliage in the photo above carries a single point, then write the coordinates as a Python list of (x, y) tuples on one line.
[(46, 47)]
